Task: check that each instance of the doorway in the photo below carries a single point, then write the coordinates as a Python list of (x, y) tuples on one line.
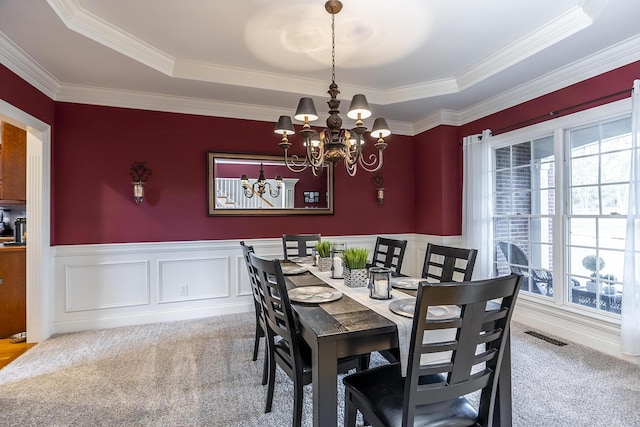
[(39, 278)]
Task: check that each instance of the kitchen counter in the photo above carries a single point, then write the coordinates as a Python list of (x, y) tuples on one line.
[(12, 248)]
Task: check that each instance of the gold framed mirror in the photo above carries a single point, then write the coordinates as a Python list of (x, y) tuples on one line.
[(255, 184)]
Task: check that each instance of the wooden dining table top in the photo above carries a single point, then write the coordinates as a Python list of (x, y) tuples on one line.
[(344, 315)]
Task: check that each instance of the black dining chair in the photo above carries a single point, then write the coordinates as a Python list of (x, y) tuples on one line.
[(389, 253), (260, 319), (541, 280), (290, 351), (299, 245), (432, 393), (448, 264)]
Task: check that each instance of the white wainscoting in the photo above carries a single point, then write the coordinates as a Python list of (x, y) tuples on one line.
[(102, 286)]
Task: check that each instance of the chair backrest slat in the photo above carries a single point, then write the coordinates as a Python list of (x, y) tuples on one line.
[(448, 264), (459, 368), (389, 253), (299, 245)]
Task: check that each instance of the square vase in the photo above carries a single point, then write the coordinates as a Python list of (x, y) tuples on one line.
[(324, 264), (356, 278)]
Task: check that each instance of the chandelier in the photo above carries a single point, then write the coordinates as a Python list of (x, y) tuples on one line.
[(260, 186), (333, 144)]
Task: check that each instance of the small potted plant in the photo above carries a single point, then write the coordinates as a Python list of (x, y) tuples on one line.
[(593, 264), (323, 249), (355, 267)]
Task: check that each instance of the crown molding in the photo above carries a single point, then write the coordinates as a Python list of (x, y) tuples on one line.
[(89, 25), (175, 104), (623, 53), (601, 62), (565, 25), (93, 27), (440, 117), (16, 60)]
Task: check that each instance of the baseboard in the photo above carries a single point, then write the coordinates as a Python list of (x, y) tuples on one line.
[(153, 317)]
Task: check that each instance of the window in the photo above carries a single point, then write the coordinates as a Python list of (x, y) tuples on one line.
[(560, 203), (524, 205), (598, 168)]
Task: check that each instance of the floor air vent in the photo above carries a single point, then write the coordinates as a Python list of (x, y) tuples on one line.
[(546, 338)]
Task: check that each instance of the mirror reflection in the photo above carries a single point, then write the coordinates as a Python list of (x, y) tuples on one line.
[(248, 184)]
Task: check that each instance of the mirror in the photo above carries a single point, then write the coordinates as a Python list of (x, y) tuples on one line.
[(234, 187)]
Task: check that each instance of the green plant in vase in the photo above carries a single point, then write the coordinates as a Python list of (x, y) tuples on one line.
[(355, 267), (593, 264), (323, 248)]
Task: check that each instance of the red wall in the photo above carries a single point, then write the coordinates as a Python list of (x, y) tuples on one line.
[(580, 93), (438, 190), (96, 146), (22, 95)]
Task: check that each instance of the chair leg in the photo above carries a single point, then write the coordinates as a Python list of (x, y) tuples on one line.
[(363, 362), (256, 341), (298, 397), (350, 411), (271, 386), (265, 368)]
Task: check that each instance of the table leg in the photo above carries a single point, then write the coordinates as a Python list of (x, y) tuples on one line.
[(325, 384), (502, 415)]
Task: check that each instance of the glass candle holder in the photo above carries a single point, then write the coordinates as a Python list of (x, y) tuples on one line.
[(380, 283), (337, 267)]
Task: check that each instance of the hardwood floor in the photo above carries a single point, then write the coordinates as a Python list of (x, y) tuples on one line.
[(10, 351)]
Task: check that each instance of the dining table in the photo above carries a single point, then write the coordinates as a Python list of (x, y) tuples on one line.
[(355, 324)]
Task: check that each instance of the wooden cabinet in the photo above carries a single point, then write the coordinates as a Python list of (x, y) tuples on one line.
[(13, 165), (13, 291)]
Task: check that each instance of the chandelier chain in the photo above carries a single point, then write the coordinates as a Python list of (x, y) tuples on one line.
[(333, 48)]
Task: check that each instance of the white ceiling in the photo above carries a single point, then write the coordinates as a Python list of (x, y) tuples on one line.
[(419, 62)]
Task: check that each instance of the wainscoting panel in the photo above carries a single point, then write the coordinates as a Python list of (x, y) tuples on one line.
[(193, 279), (109, 285), (100, 286), (243, 287)]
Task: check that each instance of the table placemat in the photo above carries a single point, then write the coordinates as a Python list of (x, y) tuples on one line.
[(404, 324), (306, 279)]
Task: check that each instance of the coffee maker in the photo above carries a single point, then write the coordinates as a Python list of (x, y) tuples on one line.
[(20, 231)]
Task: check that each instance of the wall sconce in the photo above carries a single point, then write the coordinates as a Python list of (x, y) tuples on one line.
[(139, 172), (378, 182)]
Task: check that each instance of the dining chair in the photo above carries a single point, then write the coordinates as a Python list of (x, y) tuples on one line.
[(389, 253), (260, 320), (298, 245), (541, 280), (432, 393), (448, 264), (290, 351)]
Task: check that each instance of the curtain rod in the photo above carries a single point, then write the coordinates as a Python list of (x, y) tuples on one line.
[(556, 113)]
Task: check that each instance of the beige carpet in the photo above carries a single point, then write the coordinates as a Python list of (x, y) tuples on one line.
[(200, 373)]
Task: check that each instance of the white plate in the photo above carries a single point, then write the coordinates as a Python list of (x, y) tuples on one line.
[(288, 269), (406, 307), (314, 294), (301, 259), (410, 283)]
